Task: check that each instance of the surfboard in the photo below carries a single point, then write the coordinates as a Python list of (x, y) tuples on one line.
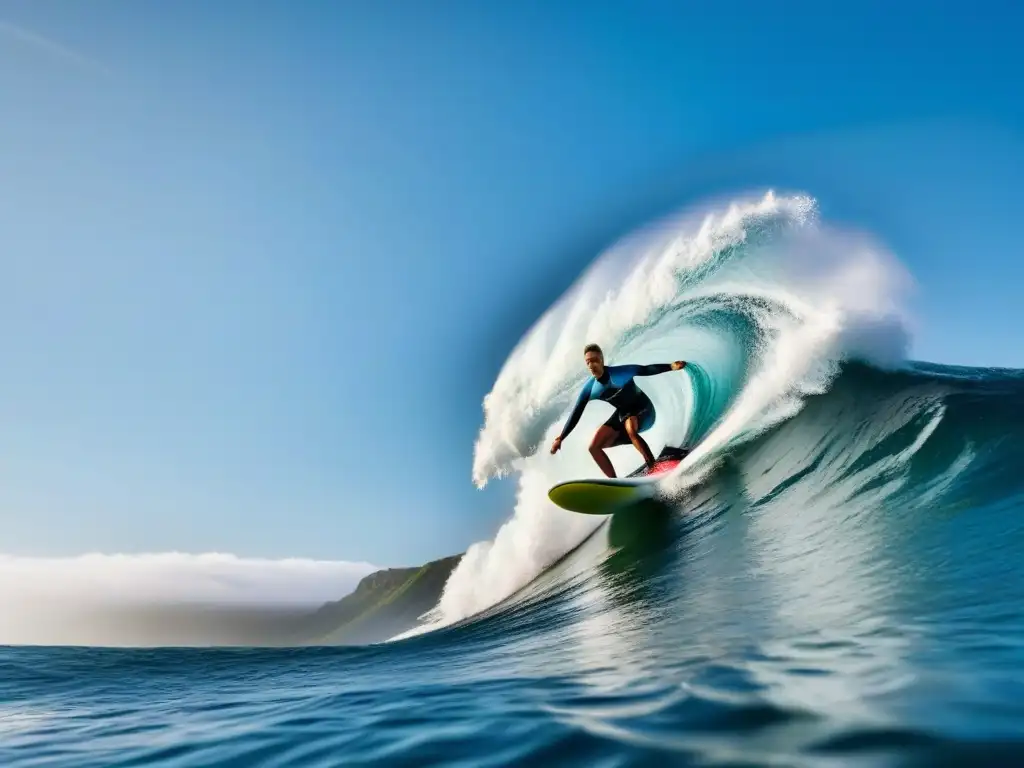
[(606, 495)]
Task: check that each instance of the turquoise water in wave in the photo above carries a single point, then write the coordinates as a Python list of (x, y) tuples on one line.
[(844, 590)]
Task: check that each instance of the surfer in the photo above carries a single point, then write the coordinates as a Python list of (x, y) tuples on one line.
[(634, 411)]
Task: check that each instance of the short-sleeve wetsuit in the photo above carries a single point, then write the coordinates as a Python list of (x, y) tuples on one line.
[(616, 386)]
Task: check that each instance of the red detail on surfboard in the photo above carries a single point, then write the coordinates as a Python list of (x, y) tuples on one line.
[(664, 463), (662, 466)]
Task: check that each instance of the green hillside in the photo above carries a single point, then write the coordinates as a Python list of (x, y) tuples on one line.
[(384, 604)]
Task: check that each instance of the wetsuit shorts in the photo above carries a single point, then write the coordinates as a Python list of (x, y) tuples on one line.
[(641, 407)]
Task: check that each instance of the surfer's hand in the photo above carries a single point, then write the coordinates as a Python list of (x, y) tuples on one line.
[(556, 445), (678, 365)]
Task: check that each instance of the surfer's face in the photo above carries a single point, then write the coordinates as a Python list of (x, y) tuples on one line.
[(595, 363)]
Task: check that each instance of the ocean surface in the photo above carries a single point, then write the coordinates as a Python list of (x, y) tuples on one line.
[(834, 576)]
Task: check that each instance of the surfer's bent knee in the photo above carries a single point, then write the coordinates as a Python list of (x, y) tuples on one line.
[(600, 441)]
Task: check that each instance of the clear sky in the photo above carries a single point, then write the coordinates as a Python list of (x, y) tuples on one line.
[(260, 262)]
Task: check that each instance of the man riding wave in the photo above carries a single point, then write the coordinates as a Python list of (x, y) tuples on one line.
[(634, 411)]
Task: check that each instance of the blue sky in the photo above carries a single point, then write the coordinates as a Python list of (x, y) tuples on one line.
[(260, 262)]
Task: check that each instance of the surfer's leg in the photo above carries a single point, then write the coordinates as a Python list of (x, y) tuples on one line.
[(632, 425), (603, 438)]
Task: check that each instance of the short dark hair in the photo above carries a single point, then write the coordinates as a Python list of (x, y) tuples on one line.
[(592, 348)]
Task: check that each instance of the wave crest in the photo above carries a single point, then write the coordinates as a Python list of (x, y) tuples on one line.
[(758, 294)]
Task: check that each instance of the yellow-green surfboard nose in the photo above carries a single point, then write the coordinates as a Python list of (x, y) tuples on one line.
[(594, 497)]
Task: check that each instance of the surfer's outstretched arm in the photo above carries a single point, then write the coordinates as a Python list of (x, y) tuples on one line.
[(581, 403), (654, 368)]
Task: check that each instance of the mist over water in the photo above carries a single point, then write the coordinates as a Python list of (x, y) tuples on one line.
[(153, 599)]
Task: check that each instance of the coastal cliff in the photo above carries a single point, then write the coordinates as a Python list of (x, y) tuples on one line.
[(384, 604)]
